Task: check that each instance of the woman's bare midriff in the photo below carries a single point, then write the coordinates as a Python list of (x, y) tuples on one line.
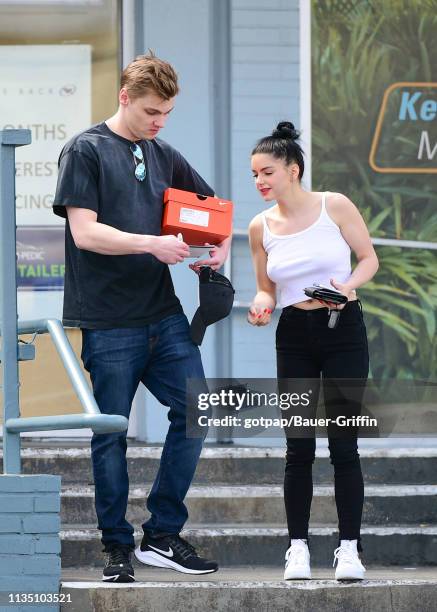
[(312, 304)]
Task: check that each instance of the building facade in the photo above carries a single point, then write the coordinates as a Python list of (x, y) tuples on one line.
[(244, 65)]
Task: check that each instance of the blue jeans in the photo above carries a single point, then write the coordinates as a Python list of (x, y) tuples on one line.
[(162, 356)]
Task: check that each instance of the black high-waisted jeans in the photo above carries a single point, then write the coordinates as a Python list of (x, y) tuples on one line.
[(307, 349)]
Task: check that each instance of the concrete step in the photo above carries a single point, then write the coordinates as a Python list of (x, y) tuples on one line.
[(394, 545), (246, 588), (384, 504), (237, 465)]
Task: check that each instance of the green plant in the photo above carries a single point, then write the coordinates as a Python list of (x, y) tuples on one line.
[(359, 49)]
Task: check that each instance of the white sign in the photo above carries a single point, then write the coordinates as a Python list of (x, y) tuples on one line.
[(47, 89)]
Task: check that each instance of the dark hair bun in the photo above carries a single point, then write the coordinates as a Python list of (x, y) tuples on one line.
[(283, 144), (285, 129)]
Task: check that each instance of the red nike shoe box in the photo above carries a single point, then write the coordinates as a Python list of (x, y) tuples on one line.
[(198, 218)]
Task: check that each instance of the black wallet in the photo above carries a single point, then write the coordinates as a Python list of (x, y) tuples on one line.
[(319, 292)]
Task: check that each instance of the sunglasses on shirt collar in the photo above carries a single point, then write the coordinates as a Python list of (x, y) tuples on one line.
[(140, 167)]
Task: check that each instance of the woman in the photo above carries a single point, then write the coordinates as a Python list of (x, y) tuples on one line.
[(307, 237)]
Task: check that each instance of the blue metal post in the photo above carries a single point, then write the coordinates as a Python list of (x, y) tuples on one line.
[(9, 139)]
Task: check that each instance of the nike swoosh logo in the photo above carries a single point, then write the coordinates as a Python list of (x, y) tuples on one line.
[(166, 553)]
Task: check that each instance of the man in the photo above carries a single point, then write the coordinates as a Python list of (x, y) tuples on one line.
[(119, 291)]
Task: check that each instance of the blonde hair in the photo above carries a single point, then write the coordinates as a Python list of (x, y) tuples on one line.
[(148, 73)]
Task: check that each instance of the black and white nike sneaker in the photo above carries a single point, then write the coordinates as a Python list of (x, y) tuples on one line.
[(118, 566), (173, 552)]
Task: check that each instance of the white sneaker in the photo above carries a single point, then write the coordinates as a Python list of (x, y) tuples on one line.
[(297, 558), (349, 566)]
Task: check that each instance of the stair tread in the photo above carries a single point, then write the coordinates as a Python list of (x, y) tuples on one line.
[(246, 576), (135, 450), (90, 531), (232, 491)]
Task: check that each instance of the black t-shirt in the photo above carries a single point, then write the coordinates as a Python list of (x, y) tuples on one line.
[(96, 171)]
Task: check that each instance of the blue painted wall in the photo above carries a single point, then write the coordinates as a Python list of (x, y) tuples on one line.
[(264, 90), (180, 33)]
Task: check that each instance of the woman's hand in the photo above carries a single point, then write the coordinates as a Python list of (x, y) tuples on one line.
[(344, 288), (259, 315)]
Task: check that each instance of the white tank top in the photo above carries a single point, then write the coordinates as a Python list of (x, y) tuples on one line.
[(313, 255)]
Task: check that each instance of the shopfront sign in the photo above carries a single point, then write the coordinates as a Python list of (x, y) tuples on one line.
[(40, 258), (47, 89), (405, 138)]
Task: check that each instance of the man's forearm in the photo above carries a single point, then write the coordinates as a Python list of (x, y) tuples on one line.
[(107, 240)]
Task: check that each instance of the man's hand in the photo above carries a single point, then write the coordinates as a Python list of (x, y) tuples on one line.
[(169, 249), (217, 257)]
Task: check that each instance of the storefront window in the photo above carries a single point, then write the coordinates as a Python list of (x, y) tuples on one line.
[(374, 139), (59, 71)]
